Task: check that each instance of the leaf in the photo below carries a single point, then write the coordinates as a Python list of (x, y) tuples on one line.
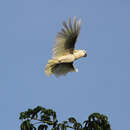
[(72, 120), (45, 117), (63, 127), (54, 116), (42, 127), (26, 125)]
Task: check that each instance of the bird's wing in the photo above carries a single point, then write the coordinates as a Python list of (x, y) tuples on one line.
[(63, 69), (66, 39)]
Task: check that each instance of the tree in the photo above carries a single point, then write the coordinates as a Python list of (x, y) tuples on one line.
[(41, 118)]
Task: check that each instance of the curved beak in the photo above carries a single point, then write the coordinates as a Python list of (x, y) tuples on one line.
[(85, 55)]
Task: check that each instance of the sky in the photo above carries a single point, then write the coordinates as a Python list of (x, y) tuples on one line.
[(27, 32)]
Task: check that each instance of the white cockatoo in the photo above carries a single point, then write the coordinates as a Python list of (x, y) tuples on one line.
[(64, 53)]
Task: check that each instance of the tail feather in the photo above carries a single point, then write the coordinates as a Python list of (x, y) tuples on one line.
[(49, 67)]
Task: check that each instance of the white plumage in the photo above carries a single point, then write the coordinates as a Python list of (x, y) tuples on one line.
[(64, 53)]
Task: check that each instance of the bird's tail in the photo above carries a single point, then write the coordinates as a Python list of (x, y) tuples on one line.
[(58, 69), (50, 66)]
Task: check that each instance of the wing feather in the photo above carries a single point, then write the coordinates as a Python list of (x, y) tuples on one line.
[(66, 39), (63, 69)]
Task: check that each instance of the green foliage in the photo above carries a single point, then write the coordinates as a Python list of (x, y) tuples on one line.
[(97, 121), (41, 118)]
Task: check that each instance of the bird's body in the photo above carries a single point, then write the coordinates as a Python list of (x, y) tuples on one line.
[(63, 52)]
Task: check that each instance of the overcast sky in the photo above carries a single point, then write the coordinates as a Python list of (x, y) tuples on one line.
[(27, 33)]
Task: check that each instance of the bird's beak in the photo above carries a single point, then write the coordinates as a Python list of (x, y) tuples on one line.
[(85, 55)]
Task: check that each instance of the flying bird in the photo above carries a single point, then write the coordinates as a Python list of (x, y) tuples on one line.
[(64, 53)]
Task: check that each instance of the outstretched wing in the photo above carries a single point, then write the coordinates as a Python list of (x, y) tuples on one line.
[(66, 39)]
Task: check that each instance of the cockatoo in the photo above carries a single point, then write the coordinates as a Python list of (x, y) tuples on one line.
[(64, 53)]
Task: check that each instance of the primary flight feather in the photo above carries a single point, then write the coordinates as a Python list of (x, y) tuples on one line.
[(64, 53)]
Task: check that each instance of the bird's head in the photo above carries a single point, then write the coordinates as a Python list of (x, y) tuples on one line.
[(80, 53)]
